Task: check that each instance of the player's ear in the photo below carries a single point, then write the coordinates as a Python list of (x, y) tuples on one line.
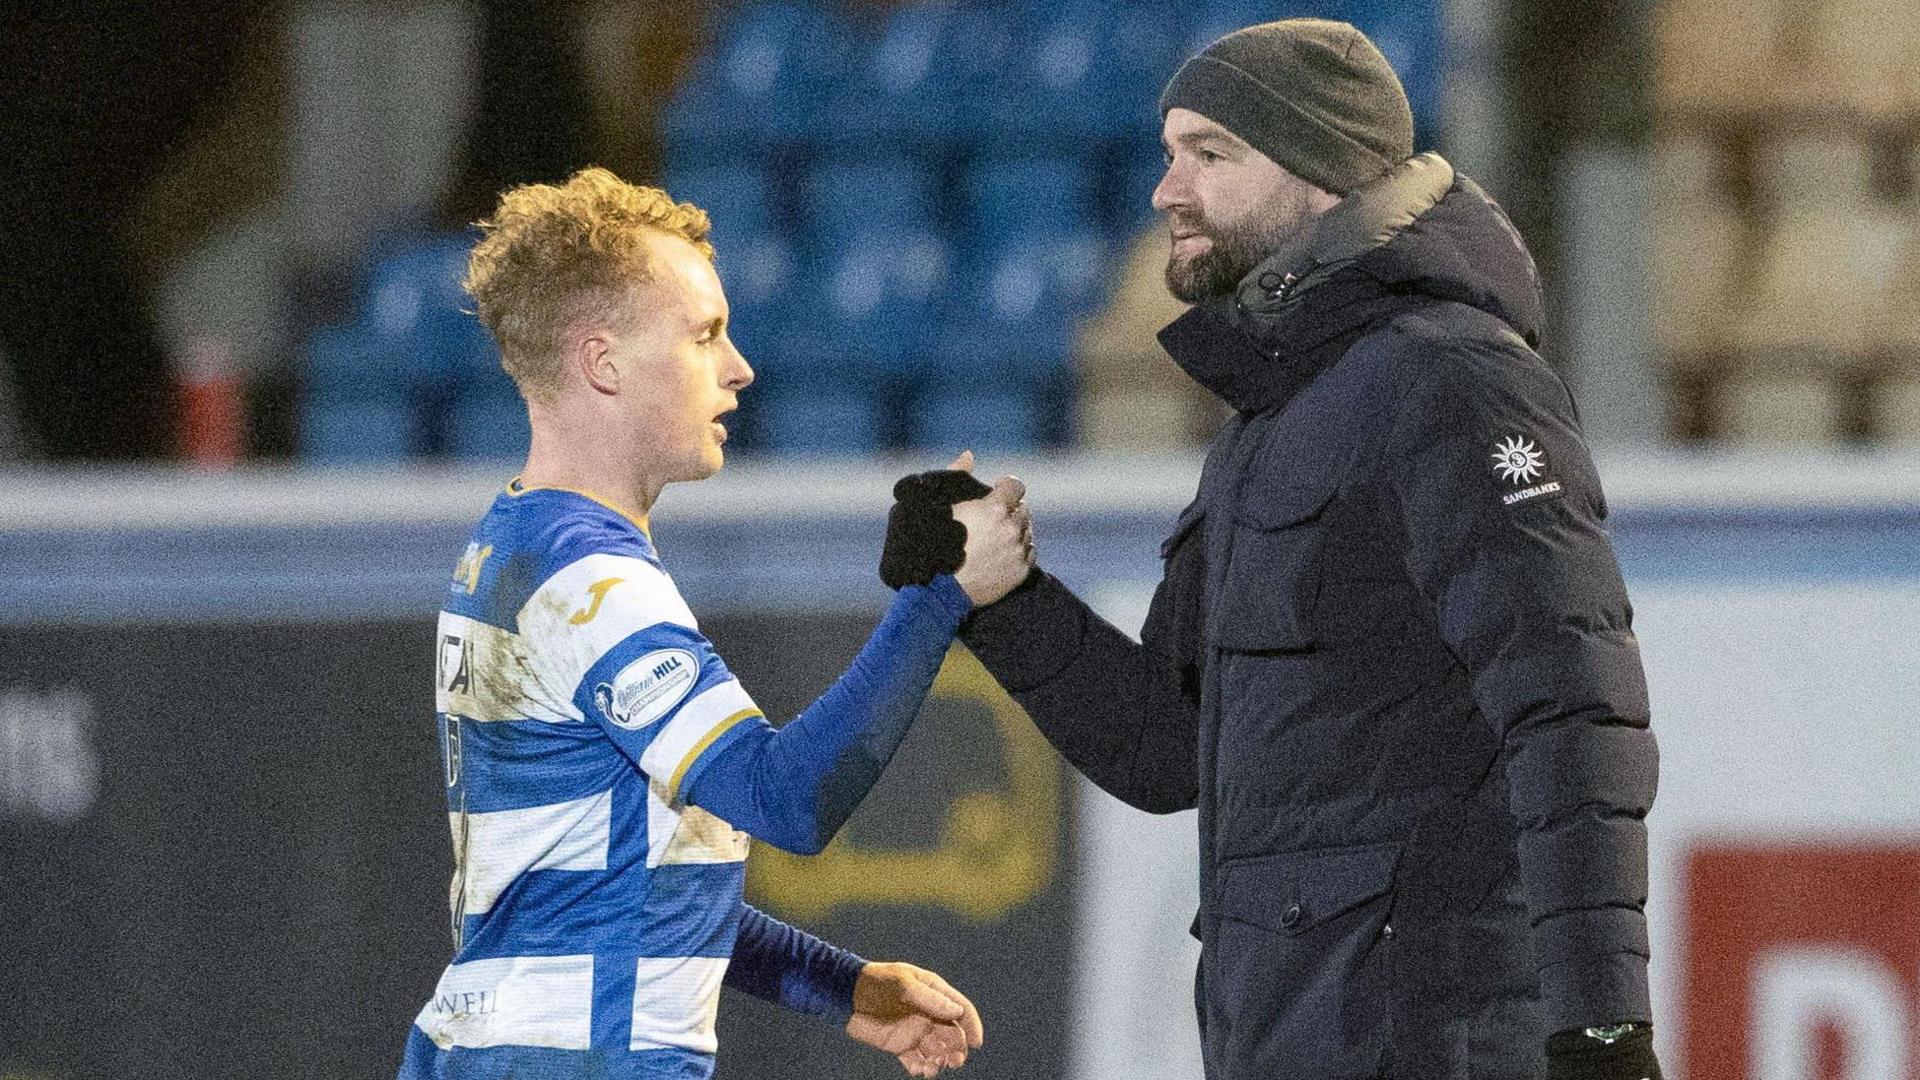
[(590, 353)]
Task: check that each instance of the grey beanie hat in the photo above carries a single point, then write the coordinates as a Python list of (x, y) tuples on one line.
[(1313, 95)]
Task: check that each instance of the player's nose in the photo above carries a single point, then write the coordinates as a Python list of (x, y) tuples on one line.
[(737, 374)]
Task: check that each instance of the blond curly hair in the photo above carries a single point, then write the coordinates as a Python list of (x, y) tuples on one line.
[(553, 257)]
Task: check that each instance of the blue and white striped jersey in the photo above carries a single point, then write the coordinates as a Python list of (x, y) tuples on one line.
[(594, 911)]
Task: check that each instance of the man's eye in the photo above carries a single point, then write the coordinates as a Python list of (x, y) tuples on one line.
[(1209, 156)]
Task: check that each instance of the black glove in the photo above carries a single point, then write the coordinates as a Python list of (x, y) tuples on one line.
[(922, 538), (1575, 1055)]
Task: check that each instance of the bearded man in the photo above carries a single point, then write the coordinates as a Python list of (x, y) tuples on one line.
[(1391, 661)]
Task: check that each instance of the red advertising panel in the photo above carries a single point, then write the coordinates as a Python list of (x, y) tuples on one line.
[(1803, 962)]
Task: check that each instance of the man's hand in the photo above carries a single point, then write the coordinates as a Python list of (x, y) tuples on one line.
[(947, 522), (1575, 1055), (999, 552), (913, 1014)]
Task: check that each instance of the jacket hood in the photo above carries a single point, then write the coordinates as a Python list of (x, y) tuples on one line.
[(1421, 230)]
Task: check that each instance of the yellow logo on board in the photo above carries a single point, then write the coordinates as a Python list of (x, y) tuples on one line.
[(996, 849)]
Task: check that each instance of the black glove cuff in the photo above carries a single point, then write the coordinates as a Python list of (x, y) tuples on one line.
[(1573, 1055)]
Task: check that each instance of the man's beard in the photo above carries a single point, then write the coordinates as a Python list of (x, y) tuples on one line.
[(1234, 251)]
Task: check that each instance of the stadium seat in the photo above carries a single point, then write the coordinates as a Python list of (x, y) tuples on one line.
[(1690, 170), (867, 302), (760, 273), (764, 82), (1697, 252), (1811, 321), (1896, 406), (371, 390), (1896, 393), (845, 196), (414, 311), (1013, 198), (737, 198), (1823, 275), (344, 363), (993, 420), (1700, 244), (341, 431), (1085, 70), (818, 417), (485, 424), (1780, 408), (1012, 312), (922, 81), (1861, 55), (1144, 164)]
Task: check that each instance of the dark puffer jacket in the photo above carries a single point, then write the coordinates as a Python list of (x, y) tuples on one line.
[(1391, 662)]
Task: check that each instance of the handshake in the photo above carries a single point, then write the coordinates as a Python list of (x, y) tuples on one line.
[(948, 522)]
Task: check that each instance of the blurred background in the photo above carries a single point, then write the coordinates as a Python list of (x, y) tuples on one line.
[(245, 426)]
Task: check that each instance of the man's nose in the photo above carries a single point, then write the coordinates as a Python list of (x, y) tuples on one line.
[(1169, 192)]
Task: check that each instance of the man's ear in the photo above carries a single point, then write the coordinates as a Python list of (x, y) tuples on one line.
[(591, 353)]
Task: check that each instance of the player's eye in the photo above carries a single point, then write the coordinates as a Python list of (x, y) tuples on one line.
[(1209, 156)]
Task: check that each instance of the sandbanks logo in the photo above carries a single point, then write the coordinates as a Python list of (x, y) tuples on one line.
[(648, 688), (1518, 460)]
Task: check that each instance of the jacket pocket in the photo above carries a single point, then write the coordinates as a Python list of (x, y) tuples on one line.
[(1272, 580), (1299, 970)]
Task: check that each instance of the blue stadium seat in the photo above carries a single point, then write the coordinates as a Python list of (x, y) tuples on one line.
[(867, 303), (760, 273), (1013, 198), (925, 80), (845, 196), (415, 312), (1143, 166), (993, 420), (736, 198), (766, 81), (1013, 315), (340, 431), (1088, 69), (344, 363), (817, 417), (369, 388), (485, 424)]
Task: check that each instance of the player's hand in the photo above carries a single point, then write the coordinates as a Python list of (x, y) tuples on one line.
[(923, 539), (913, 1014), (999, 552)]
